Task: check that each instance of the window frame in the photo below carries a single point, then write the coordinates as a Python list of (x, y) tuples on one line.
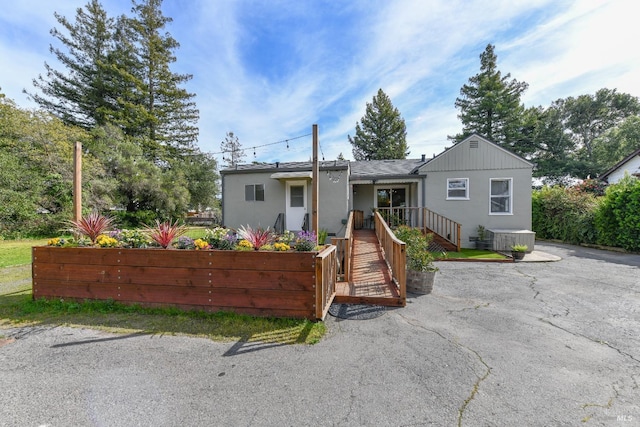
[(254, 192), (509, 196), (466, 189)]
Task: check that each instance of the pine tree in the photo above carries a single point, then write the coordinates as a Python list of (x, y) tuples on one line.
[(381, 133), (490, 104), (171, 114), (78, 94), (232, 151)]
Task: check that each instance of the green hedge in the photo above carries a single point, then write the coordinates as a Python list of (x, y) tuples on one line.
[(618, 218), (575, 216), (564, 214)]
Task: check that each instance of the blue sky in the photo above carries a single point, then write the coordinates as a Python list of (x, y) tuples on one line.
[(269, 70)]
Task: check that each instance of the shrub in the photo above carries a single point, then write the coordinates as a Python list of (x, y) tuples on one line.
[(593, 186), (419, 258), (564, 214), (617, 218)]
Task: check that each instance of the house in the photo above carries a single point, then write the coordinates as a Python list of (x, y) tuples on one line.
[(475, 182), (630, 165)]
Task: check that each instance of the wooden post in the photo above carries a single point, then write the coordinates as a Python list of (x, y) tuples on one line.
[(77, 181), (315, 187)]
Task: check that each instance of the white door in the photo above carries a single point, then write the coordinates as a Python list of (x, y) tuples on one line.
[(296, 204)]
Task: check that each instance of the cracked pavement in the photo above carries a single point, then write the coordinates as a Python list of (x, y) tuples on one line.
[(495, 344)]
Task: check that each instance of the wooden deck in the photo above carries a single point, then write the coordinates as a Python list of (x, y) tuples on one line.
[(370, 281)]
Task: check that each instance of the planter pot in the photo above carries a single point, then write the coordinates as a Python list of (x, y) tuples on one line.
[(518, 256), (420, 282)]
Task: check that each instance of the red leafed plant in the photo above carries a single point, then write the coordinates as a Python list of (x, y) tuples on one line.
[(256, 236), (164, 232), (92, 225)]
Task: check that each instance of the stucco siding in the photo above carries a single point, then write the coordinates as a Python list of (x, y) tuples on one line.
[(333, 204), (237, 211), (332, 207)]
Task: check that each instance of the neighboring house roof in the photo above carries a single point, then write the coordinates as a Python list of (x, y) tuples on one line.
[(621, 164)]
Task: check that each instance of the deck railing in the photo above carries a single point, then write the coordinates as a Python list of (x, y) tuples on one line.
[(394, 253), (344, 246), (442, 226), (326, 277), (425, 219), (278, 227)]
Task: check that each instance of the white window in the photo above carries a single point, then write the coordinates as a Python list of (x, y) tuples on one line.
[(500, 200), (254, 192), (458, 189)]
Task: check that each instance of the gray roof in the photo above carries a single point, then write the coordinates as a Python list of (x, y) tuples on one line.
[(365, 169), (375, 169), (286, 167)]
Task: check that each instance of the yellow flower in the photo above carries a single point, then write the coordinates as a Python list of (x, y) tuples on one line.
[(106, 241), (201, 244), (245, 244), (53, 242), (281, 247)]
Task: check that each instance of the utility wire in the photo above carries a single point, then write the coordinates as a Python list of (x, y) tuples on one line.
[(266, 145)]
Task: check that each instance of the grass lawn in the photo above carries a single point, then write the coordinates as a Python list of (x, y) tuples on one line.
[(474, 254), (17, 308), (17, 252)]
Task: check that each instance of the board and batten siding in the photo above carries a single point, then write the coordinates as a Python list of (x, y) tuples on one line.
[(475, 153), (479, 161)]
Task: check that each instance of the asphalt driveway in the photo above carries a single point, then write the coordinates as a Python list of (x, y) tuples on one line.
[(532, 344)]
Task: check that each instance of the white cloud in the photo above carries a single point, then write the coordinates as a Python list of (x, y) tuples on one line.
[(338, 55)]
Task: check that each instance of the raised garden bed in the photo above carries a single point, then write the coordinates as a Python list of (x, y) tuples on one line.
[(283, 284)]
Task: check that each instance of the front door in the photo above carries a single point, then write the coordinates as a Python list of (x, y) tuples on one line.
[(296, 205), (391, 202)]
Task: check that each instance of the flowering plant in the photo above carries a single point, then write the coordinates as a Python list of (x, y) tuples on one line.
[(216, 237), (256, 236), (306, 241), (228, 242), (57, 241), (281, 246), (244, 245), (287, 237), (201, 244), (105, 241), (185, 242), (130, 238)]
